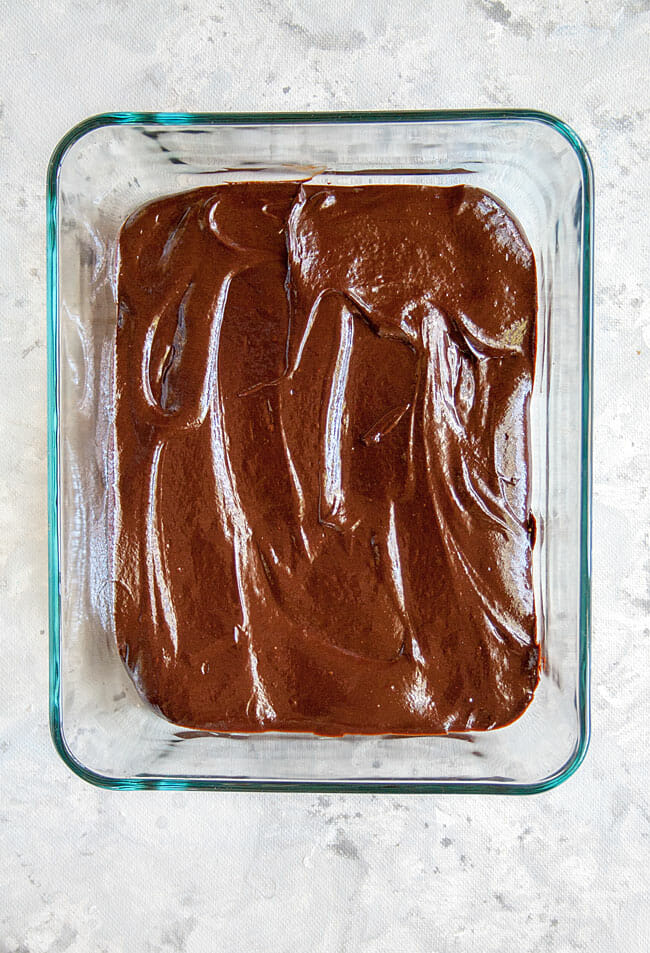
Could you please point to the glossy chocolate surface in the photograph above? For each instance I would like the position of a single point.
(323, 492)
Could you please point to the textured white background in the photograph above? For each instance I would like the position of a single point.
(88, 871)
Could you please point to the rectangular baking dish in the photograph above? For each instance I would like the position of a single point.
(102, 171)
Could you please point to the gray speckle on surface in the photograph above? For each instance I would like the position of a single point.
(497, 11)
(344, 42)
(344, 847)
(176, 937)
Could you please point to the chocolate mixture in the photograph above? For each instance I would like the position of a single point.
(322, 486)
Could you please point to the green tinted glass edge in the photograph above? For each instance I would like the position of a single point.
(380, 786)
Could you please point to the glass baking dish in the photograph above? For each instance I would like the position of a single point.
(103, 170)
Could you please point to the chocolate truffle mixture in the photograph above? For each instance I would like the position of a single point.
(322, 459)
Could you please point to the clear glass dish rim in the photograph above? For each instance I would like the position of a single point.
(403, 786)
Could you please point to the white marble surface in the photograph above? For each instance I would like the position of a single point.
(84, 870)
